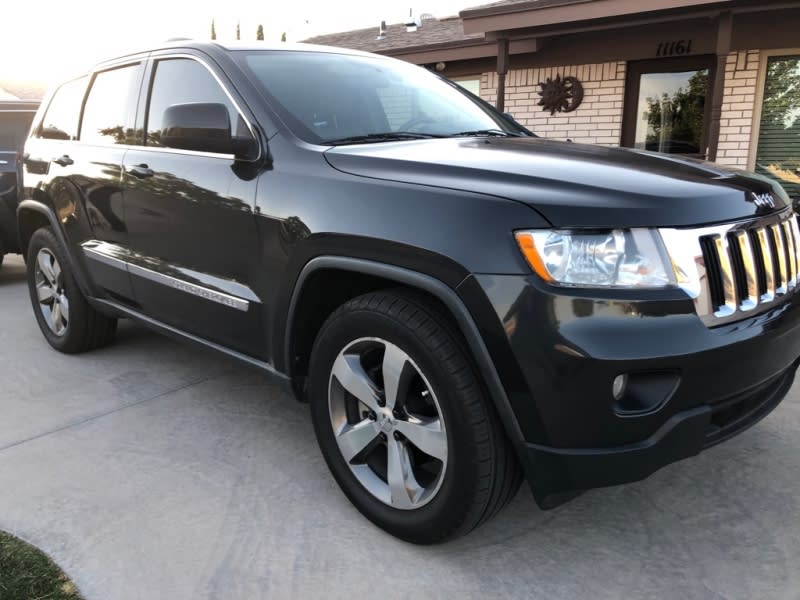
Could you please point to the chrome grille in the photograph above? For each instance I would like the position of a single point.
(732, 270)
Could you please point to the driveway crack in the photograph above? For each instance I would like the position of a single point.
(100, 415)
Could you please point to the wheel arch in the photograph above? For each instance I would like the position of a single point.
(371, 275)
(33, 215)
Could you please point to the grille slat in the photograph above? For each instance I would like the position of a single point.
(765, 249)
(749, 266)
(714, 278)
(728, 307)
(796, 235)
(791, 254)
(779, 249)
(746, 272)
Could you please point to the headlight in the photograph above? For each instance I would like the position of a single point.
(633, 258)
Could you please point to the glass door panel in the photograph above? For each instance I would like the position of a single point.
(671, 111)
(667, 105)
(778, 154)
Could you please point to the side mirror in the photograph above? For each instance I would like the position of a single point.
(204, 127)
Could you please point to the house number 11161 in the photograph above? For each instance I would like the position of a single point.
(678, 48)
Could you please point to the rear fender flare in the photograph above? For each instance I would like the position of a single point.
(77, 269)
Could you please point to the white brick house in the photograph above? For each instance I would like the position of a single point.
(598, 120)
(713, 79)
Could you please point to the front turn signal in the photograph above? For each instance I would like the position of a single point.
(527, 245)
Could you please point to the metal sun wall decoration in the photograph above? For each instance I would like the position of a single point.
(561, 95)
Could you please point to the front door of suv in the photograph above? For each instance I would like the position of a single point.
(189, 214)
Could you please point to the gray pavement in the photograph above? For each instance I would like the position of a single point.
(156, 470)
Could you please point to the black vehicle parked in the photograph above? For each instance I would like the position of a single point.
(16, 117)
(461, 303)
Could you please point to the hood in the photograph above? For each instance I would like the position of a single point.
(571, 185)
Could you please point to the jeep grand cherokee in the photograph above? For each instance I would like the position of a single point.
(461, 303)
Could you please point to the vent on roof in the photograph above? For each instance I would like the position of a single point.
(413, 23)
(381, 31)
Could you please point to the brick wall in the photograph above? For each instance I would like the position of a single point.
(736, 126)
(598, 120)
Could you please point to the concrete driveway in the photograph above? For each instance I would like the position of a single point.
(155, 470)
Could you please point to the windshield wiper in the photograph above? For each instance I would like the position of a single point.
(388, 136)
(479, 132)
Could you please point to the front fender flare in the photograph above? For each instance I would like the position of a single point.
(451, 301)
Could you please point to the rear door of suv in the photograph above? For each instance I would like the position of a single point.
(192, 232)
(75, 156)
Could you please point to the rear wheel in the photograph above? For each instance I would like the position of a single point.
(403, 422)
(64, 316)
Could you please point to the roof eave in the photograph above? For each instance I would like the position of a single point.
(475, 42)
(524, 15)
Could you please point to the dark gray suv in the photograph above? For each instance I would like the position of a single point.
(15, 124)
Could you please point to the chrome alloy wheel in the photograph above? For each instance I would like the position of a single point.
(50, 292)
(387, 423)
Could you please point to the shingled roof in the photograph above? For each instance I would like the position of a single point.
(432, 32)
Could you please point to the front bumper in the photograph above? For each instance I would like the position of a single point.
(700, 385)
(683, 435)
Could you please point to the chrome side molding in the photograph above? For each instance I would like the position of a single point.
(120, 258)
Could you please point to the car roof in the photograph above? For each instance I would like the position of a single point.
(214, 47)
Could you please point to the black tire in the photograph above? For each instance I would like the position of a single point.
(482, 473)
(86, 328)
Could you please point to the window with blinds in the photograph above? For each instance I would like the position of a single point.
(778, 154)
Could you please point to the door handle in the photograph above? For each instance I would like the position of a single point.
(140, 171)
(64, 161)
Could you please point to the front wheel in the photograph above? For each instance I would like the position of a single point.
(66, 319)
(402, 421)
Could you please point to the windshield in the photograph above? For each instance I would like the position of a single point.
(325, 98)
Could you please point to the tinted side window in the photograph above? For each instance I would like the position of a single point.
(108, 114)
(61, 119)
(183, 81)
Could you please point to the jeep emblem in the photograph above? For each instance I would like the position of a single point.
(762, 200)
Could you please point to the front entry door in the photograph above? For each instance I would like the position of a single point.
(192, 232)
(666, 107)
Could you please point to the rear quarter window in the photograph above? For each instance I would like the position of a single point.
(60, 121)
(109, 112)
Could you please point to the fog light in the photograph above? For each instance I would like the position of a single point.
(619, 386)
(643, 392)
